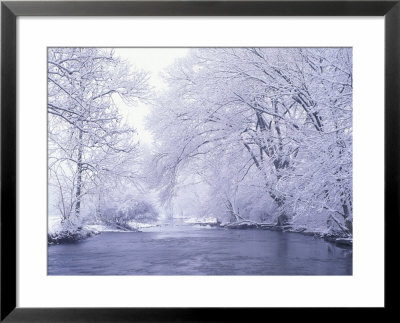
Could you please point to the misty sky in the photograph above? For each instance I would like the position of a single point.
(154, 61)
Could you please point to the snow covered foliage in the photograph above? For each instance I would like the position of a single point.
(121, 214)
(268, 129)
(90, 150)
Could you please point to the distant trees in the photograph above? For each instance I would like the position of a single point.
(89, 147)
(121, 215)
(262, 123)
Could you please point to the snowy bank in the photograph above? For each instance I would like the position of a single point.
(335, 237)
(69, 236)
(131, 226)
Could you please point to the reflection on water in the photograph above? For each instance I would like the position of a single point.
(195, 250)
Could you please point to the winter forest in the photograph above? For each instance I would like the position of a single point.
(223, 143)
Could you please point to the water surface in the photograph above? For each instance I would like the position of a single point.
(196, 250)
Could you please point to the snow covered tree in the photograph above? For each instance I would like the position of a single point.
(89, 146)
(280, 118)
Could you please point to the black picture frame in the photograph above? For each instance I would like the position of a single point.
(10, 10)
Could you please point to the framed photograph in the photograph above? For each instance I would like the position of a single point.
(197, 160)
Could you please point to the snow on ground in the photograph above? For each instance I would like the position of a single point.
(200, 220)
(138, 225)
(132, 224)
(102, 228)
(54, 226)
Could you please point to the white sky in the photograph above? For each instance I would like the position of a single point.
(154, 61)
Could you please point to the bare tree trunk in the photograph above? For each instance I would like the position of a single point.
(79, 178)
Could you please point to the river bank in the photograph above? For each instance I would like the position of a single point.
(338, 239)
(82, 233)
(59, 234)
